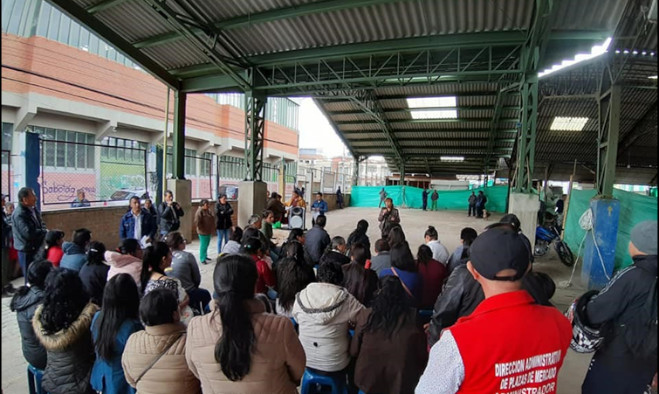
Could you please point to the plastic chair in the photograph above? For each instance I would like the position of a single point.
(295, 325)
(312, 383)
(34, 376)
(427, 313)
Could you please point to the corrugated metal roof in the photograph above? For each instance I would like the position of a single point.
(134, 21)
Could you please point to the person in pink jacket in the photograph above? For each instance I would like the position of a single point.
(126, 260)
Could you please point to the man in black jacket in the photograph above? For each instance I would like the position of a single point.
(462, 294)
(28, 228)
(626, 315)
(169, 212)
(317, 239)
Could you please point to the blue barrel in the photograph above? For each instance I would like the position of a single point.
(598, 266)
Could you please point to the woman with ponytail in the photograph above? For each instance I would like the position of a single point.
(127, 259)
(53, 247)
(257, 352)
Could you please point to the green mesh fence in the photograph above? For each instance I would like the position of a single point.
(634, 208)
(369, 196)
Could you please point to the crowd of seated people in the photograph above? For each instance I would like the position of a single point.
(124, 322)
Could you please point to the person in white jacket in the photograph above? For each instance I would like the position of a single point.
(323, 311)
(126, 260)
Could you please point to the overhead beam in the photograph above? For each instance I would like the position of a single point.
(408, 110)
(79, 14)
(447, 41)
(171, 16)
(270, 16)
(212, 83)
(104, 5)
(408, 121)
(435, 133)
(645, 125)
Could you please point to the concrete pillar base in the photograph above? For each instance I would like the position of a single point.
(526, 207)
(595, 270)
(251, 200)
(182, 189)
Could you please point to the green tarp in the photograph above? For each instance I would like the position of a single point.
(369, 196)
(634, 208)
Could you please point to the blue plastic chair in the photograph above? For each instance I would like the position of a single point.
(34, 376)
(425, 313)
(313, 383)
(295, 325)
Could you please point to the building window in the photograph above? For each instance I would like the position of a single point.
(122, 150)
(66, 148)
(206, 165)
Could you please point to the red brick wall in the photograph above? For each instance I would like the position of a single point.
(54, 69)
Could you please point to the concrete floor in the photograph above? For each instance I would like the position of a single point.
(343, 222)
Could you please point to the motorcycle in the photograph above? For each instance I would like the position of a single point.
(548, 234)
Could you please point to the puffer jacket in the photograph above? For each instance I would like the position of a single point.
(462, 294)
(322, 311)
(124, 264)
(74, 256)
(25, 305)
(70, 354)
(277, 362)
(170, 374)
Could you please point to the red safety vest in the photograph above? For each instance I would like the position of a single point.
(510, 345)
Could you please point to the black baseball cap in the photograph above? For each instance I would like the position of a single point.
(500, 248)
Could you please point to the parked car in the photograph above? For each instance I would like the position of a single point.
(126, 194)
(230, 190)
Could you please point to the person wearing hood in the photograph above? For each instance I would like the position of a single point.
(25, 303)
(62, 325)
(625, 310)
(127, 259)
(323, 311)
(75, 253)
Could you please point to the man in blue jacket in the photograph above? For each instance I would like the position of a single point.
(137, 222)
(319, 207)
(28, 228)
(75, 253)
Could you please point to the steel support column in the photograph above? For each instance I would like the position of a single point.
(254, 134)
(526, 137)
(355, 171)
(607, 140)
(178, 172)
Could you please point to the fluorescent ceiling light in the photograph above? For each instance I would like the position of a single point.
(595, 51)
(568, 123)
(434, 114)
(652, 77)
(432, 102)
(452, 158)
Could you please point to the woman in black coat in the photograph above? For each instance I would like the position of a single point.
(25, 303)
(62, 325)
(94, 274)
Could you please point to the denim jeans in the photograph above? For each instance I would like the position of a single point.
(24, 259)
(222, 236)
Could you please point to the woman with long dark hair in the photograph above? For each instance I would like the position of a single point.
(294, 276)
(359, 236)
(25, 302)
(433, 274)
(396, 236)
(404, 267)
(52, 250)
(111, 328)
(94, 274)
(157, 258)
(154, 358)
(389, 328)
(388, 217)
(257, 352)
(359, 281)
(62, 326)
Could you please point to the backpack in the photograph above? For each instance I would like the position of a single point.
(641, 335)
